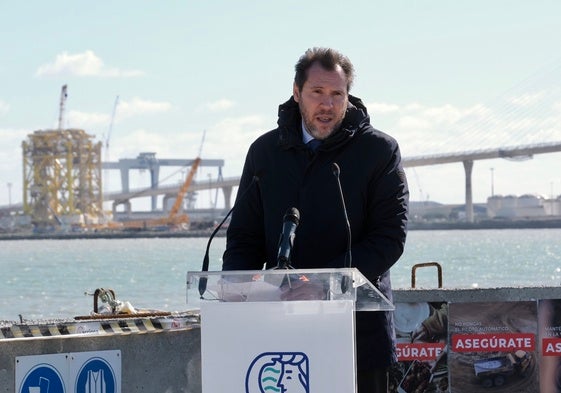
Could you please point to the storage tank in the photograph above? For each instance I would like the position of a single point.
(494, 205)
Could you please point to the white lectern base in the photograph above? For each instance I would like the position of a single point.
(254, 342)
(299, 346)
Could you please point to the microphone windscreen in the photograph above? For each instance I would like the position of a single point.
(292, 215)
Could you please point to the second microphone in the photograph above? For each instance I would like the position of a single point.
(286, 241)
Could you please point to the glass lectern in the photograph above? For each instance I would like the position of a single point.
(286, 330)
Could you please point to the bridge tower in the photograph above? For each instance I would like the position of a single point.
(61, 176)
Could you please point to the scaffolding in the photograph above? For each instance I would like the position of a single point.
(62, 177)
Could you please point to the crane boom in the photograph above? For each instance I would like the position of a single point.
(183, 190)
(63, 95)
(112, 120)
(173, 218)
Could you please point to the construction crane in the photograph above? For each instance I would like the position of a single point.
(183, 190)
(107, 157)
(63, 95)
(173, 219)
(107, 139)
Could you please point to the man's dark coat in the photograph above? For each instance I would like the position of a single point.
(281, 173)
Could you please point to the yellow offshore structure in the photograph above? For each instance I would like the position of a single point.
(62, 178)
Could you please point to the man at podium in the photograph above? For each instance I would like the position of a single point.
(344, 180)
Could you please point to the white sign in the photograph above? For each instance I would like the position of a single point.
(298, 346)
(77, 372)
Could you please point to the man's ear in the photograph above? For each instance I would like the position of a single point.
(295, 92)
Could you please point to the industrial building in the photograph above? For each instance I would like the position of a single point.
(62, 178)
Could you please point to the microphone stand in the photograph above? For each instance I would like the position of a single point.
(292, 218)
(345, 282)
(203, 280)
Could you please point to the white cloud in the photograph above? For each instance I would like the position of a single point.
(446, 114)
(219, 105)
(415, 117)
(137, 106)
(11, 163)
(4, 108)
(230, 138)
(140, 140)
(447, 128)
(11, 137)
(236, 125)
(77, 119)
(414, 107)
(381, 107)
(414, 122)
(527, 99)
(125, 110)
(82, 64)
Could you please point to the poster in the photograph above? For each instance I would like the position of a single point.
(492, 347)
(421, 348)
(549, 319)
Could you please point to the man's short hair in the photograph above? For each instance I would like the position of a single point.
(328, 58)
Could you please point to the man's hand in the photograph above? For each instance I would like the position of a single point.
(299, 287)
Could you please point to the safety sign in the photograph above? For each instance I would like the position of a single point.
(95, 373)
(76, 372)
(41, 373)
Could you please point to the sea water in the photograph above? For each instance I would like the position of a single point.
(55, 279)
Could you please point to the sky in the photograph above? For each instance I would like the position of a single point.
(440, 76)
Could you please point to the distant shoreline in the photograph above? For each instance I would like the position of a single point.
(487, 224)
(109, 235)
(205, 233)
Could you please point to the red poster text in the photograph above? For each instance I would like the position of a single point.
(418, 351)
(499, 342)
(551, 346)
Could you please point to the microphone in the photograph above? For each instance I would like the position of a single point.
(348, 256)
(286, 241)
(203, 280)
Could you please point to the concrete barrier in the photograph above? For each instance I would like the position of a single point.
(167, 358)
(161, 360)
(504, 294)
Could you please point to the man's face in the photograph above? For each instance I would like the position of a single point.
(323, 100)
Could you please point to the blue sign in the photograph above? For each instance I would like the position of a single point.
(95, 376)
(43, 378)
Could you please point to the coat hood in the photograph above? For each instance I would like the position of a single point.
(290, 121)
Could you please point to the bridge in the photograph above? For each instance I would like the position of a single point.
(148, 161)
(468, 158)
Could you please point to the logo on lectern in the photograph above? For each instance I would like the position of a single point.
(279, 372)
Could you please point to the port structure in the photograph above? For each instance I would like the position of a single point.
(149, 161)
(62, 177)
